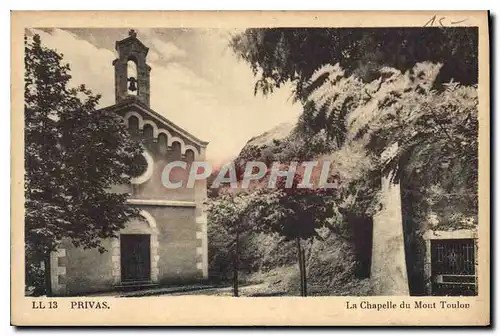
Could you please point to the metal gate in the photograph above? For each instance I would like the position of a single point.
(453, 267)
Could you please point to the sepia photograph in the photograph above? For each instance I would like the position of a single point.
(251, 162)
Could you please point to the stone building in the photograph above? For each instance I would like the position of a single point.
(169, 243)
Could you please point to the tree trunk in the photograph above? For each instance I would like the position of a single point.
(304, 276)
(307, 261)
(302, 271)
(388, 268)
(236, 263)
(47, 275)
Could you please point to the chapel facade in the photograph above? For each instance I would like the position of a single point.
(168, 244)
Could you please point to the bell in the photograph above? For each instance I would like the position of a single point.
(132, 86)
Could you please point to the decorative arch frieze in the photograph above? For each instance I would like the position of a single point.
(179, 140)
(157, 131)
(137, 115)
(190, 147)
(152, 124)
(165, 132)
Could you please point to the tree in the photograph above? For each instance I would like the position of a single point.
(299, 214)
(229, 211)
(73, 156)
(436, 137)
(368, 89)
(327, 66)
(279, 55)
(295, 214)
(436, 131)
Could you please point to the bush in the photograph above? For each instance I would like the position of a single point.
(269, 259)
(258, 252)
(331, 263)
(34, 276)
(219, 253)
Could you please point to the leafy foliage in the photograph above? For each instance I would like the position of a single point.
(292, 212)
(279, 55)
(377, 101)
(435, 131)
(364, 90)
(73, 156)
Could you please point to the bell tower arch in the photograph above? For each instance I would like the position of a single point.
(131, 69)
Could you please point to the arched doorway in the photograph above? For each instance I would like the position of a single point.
(135, 252)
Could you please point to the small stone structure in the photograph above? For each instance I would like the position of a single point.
(458, 250)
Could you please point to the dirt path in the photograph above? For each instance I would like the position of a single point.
(248, 290)
(261, 289)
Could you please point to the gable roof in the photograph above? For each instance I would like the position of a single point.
(132, 102)
(129, 40)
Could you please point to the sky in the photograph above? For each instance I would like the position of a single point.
(197, 82)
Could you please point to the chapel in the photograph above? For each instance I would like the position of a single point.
(168, 244)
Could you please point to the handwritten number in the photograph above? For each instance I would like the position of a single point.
(441, 22)
(457, 22)
(430, 22)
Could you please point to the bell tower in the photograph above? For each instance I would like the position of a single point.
(131, 70)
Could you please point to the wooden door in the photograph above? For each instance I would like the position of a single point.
(135, 253)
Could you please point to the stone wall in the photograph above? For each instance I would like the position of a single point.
(177, 254)
(78, 271)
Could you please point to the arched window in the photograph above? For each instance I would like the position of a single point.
(176, 151)
(133, 125)
(132, 85)
(148, 132)
(162, 143)
(189, 156)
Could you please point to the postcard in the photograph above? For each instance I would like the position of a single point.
(250, 168)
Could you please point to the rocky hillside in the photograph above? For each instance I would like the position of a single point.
(277, 133)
